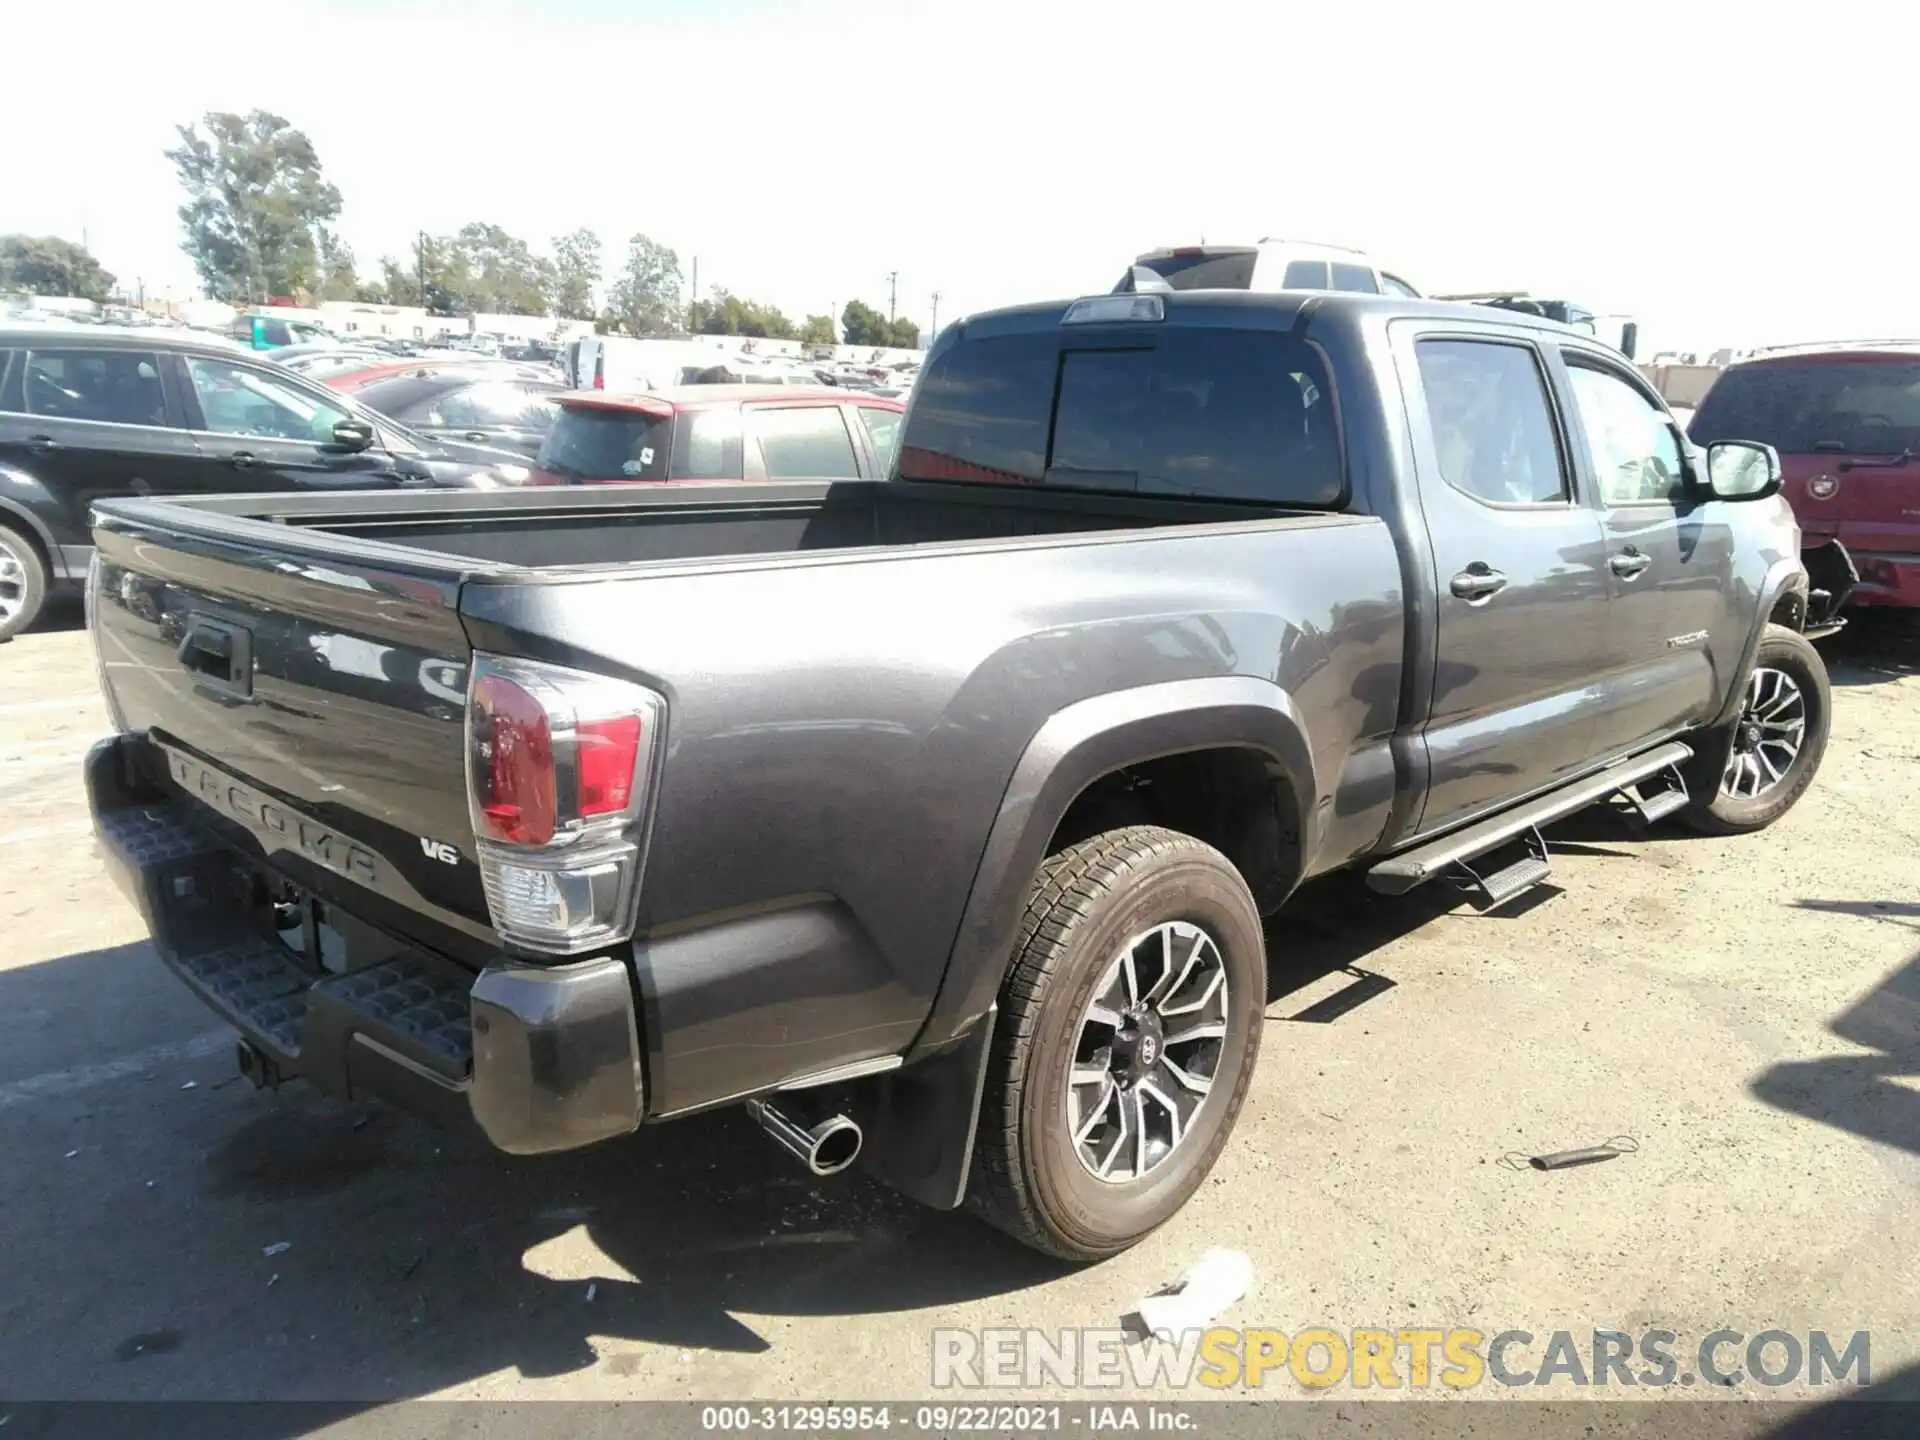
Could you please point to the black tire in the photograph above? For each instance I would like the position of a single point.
(23, 583)
(1086, 903)
(1712, 809)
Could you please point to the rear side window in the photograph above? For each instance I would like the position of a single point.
(115, 386)
(709, 440)
(809, 443)
(1305, 275)
(1214, 414)
(1492, 422)
(589, 443)
(883, 429)
(1867, 407)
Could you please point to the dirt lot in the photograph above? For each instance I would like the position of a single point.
(1748, 1010)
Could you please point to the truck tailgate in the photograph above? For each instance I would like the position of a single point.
(309, 696)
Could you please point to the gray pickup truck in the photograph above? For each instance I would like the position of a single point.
(935, 819)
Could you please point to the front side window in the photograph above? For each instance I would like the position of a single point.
(807, 443)
(105, 385)
(1492, 422)
(1394, 285)
(1633, 449)
(237, 400)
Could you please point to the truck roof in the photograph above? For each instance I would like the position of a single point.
(1274, 309)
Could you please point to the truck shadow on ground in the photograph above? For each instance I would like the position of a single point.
(417, 1260)
(1864, 1094)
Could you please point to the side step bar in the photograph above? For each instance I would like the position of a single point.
(1415, 867)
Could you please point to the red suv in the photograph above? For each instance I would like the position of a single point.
(719, 432)
(1846, 421)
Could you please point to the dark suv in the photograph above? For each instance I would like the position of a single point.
(89, 412)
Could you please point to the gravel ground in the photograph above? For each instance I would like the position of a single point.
(1747, 1009)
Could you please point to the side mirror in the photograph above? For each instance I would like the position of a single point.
(1629, 339)
(1742, 470)
(352, 436)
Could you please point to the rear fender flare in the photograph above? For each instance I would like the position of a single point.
(1076, 747)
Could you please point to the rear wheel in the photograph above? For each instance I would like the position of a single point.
(23, 583)
(1751, 773)
(1128, 1029)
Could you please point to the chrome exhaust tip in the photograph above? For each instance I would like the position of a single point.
(825, 1148)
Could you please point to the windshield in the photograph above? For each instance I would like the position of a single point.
(1801, 407)
(590, 443)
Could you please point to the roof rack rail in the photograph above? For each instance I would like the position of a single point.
(1316, 244)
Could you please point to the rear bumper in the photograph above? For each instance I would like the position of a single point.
(1887, 579)
(540, 1058)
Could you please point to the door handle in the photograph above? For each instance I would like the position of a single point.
(243, 459)
(477, 436)
(1629, 563)
(41, 444)
(219, 653)
(1478, 582)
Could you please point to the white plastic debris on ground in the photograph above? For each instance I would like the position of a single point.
(1218, 1279)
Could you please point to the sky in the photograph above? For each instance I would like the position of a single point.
(1728, 174)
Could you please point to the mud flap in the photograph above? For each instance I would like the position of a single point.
(921, 1125)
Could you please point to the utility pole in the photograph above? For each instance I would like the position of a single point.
(693, 304)
(934, 328)
(893, 289)
(420, 264)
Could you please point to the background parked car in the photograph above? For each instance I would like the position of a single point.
(719, 432)
(1268, 265)
(452, 404)
(88, 412)
(384, 368)
(272, 332)
(1846, 421)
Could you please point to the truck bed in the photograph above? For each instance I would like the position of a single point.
(620, 525)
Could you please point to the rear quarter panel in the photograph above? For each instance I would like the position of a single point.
(841, 733)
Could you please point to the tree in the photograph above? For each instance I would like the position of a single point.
(493, 271)
(818, 330)
(48, 265)
(576, 270)
(645, 299)
(726, 314)
(256, 204)
(399, 282)
(337, 279)
(861, 324)
(904, 334)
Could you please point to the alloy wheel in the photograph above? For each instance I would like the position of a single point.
(1768, 736)
(1147, 1051)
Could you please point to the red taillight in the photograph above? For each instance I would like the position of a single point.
(514, 770)
(600, 372)
(604, 763)
(558, 763)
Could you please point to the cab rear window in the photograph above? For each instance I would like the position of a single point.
(591, 443)
(1201, 413)
(1803, 407)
